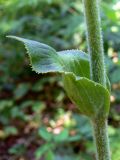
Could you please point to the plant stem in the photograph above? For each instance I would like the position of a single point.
(95, 42)
(101, 139)
(97, 72)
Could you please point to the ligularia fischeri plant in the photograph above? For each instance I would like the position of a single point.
(84, 77)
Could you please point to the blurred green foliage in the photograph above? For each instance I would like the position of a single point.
(36, 118)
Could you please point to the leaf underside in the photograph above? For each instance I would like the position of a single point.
(88, 95)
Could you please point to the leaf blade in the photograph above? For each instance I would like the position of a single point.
(43, 58)
(90, 97)
(74, 65)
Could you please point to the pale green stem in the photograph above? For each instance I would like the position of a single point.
(97, 72)
(101, 139)
(95, 42)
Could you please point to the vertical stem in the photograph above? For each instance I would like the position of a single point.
(97, 72)
(95, 42)
(101, 139)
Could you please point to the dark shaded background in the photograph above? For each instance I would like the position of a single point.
(37, 120)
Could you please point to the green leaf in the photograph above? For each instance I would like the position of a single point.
(21, 90)
(91, 98)
(17, 149)
(49, 155)
(10, 130)
(45, 134)
(45, 59)
(42, 150)
(62, 136)
(75, 61)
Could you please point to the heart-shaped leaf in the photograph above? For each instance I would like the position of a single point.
(91, 98)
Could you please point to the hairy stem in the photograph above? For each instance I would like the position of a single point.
(97, 72)
(95, 42)
(101, 139)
